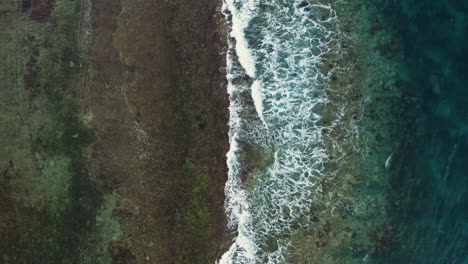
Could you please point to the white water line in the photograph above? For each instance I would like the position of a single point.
(288, 118)
(236, 204)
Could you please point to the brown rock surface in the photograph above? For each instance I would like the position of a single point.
(159, 106)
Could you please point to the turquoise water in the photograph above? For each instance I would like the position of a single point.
(278, 152)
(432, 182)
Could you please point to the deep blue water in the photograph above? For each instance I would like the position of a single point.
(431, 186)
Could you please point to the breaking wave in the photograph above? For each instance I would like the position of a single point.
(276, 90)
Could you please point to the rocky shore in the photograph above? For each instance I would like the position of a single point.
(159, 104)
(114, 132)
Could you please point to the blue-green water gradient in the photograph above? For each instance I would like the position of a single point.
(430, 188)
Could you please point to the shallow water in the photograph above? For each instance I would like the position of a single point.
(432, 183)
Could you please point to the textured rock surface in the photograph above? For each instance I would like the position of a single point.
(114, 132)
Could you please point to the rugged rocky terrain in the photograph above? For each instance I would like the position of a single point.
(114, 131)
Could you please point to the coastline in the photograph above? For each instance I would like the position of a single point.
(347, 218)
(116, 123)
(381, 180)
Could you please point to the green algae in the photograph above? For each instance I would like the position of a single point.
(51, 199)
(109, 231)
(193, 223)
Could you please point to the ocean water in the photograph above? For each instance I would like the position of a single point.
(431, 179)
(276, 90)
(278, 154)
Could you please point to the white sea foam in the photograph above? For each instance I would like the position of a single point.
(388, 162)
(243, 249)
(237, 209)
(258, 101)
(240, 21)
(280, 45)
